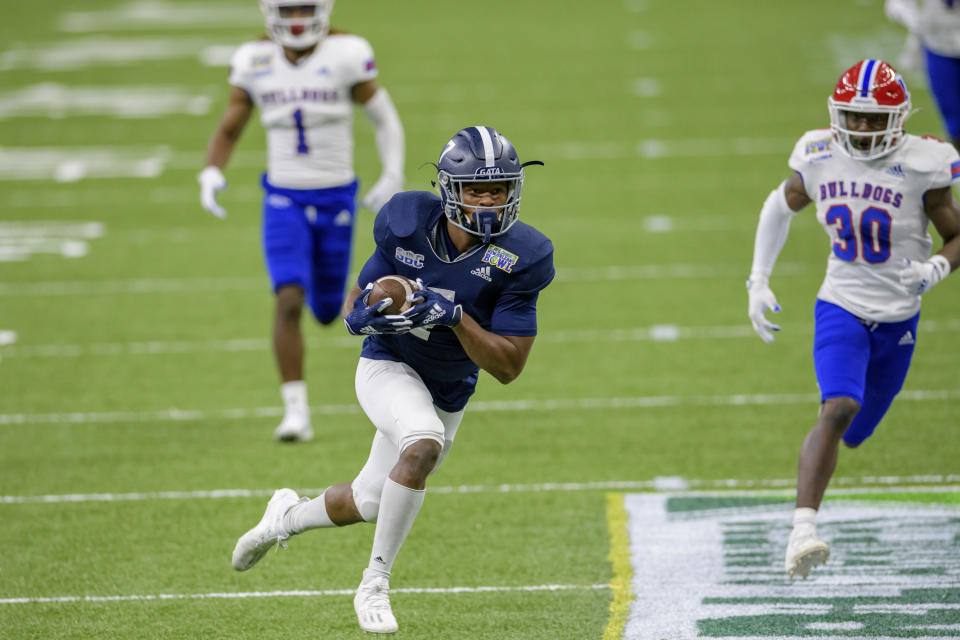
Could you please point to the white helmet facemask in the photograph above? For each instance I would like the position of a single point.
(867, 145)
(297, 32)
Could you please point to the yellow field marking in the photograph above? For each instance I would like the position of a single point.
(622, 569)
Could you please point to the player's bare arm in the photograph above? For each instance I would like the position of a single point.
(795, 194)
(234, 121)
(363, 91)
(349, 301)
(944, 213)
(503, 357)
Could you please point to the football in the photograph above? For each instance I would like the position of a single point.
(394, 287)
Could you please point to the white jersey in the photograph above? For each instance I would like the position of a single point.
(306, 108)
(935, 22)
(873, 214)
(938, 26)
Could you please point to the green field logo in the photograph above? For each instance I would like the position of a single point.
(712, 567)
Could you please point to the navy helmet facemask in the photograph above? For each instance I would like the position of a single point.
(480, 154)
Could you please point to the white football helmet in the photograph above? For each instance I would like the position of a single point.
(300, 32)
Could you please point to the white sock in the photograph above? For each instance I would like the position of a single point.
(295, 398)
(805, 520)
(306, 515)
(399, 506)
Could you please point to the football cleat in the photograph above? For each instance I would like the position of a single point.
(293, 428)
(372, 604)
(255, 543)
(804, 552)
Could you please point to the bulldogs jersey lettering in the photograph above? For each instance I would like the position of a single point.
(306, 108)
(872, 211)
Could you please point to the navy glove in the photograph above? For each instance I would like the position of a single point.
(433, 309)
(366, 320)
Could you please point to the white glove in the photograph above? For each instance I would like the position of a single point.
(761, 299)
(211, 180)
(382, 191)
(919, 277)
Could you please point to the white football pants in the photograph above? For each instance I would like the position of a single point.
(398, 403)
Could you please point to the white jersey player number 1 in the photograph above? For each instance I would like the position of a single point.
(302, 147)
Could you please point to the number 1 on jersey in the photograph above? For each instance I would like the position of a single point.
(302, 147)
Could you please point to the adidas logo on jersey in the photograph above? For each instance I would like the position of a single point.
(906, 339)
(343, 218)
(483, 272)
(896, 171)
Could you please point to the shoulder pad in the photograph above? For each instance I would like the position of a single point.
(406, 211)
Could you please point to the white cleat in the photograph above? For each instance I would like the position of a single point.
(269, 532)
(372, 604)
(804, 552)
(294, 429)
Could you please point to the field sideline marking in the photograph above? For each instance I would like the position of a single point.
(619, 558)
(731, 487)
(300, 593)
(480, 406)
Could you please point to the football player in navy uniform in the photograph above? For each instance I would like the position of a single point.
(305, 80)
(480, 272)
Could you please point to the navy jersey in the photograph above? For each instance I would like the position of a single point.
(497, 284)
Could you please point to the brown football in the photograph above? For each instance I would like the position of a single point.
(394, 287)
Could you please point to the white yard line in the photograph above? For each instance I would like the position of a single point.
(480, 406)
(58, 101)
(690, 486)
(302, 593)
(202, 284)
(70, 164)
(154, 15)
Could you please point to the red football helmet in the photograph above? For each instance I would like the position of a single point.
(872, 88)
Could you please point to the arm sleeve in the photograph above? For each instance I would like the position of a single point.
(948, 173)
(376, 266)
(240, 75)
(538, 275)
(360, 63)
(388, 132)
(772, 230)
(515, 315)
(379, 264)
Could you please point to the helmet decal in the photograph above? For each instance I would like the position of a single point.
(868, 73)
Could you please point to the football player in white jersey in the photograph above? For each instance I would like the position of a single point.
(935, 25)
(305, 80)
(876, 190)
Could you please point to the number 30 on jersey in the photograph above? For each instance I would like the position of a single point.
(870, 238)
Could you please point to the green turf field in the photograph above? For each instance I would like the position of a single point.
(138, 392)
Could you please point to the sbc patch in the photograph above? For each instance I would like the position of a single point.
(499, 258)
(409, 258)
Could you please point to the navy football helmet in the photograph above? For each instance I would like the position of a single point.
(480, 154)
